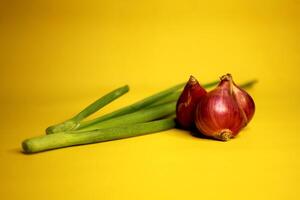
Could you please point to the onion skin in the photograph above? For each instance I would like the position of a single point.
(220, 113)
(245, 101)
(187, 102)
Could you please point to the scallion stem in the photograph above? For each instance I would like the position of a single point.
(54, 141)
(133, 107)
(98, 104)
(248, 84)
(140, 116)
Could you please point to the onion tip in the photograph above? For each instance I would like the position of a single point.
(193, 80)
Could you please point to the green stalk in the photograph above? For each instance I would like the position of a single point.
(211, 84)
(95, 106)
(168, 99)
(140, 116)
(248, 84)
(133, 107)
(54, 141)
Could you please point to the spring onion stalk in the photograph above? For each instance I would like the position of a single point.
(168, 99)
(133, 107)
(248, 84)
(54, 141)
(140, 116)
(95, 106)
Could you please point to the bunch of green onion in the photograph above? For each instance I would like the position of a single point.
(152, 114)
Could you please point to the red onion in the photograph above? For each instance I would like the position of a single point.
(187, 102)
(224, 111)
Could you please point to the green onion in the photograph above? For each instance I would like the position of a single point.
(248, 84)
(98, 104)
(140, 116)
(170, 98)
(54, 141)
(133, 107)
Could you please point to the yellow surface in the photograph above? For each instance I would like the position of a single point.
(58, 56)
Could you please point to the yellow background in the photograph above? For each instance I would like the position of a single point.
(58, 56)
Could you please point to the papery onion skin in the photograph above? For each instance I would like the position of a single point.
(218, 114)
(187, 102)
